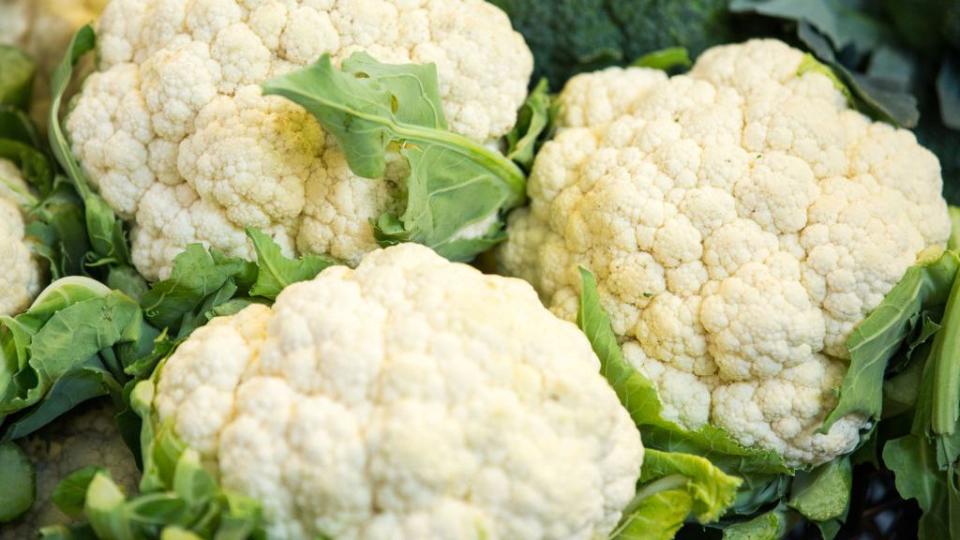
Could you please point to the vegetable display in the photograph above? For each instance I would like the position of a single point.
(479, 269)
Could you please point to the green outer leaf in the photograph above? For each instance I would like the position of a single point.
(768, 526)
(954, 242)
(534, 122)
(276, 272)
(639, 396)
(824, 493)
(656, 517)
(105, 230)
(711, 490)
(874, 342)
(70, 495)
(104, 508)
(374, 109)
(34, 166)
(16, 76)
(17, 488)
(665, 59)
(913, 459)
(945, 355)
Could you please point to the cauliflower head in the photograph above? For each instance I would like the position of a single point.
(741, 221)
(409, 398)
(85, 438)
(22, 277)
(174, 130)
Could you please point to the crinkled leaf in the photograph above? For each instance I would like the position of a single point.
(17, 486)
(534, 124)
(768, 526)
(823, 494)
(57, 233)
(655, 516)
(913, 459)
(875, 340)
(665, 59)
(17, 71)
(34, 166)
(453, 185)
(711, 490)
(276, 272)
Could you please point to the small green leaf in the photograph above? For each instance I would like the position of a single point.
(276, 272)
(16, 76)
(768, 526)
(534, 123)
(654, 516)
(824, 493)
(70, 495)
(454, 184)
(665, 59)
(17, 488)
(104, 507)
(711, 490)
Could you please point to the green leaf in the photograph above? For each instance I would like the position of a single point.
(376, 109)
(197, 273)
(17, 488)
(954, 242)
(104, 507)
(35, 168)
(639, 396)
(711, 490)
(276, 272)
(874, 342)
(768, 526)
(105, 230)
(16, 76)
(655, 516)
(823, 494)
(70, 495)
(945, 361)
(665, 59)
(534, 124)
(913, 460)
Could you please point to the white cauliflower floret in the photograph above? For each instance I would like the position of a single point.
(176, 113)
(22, 277)
(80, 439)
(409, 398)
(741, 221)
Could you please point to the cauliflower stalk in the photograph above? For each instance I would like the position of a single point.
(177, 136)
(742, 220)
(421, 407)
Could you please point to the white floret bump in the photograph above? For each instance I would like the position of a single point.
(409, 398)
(741, 220)
(22, 276)
(177, 137)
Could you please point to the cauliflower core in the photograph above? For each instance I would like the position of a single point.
(81, 439)
(21, 278)
(176, 135)
(741, 221)
(409, 398)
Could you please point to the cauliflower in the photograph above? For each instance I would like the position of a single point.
(741, 221)
(177, 136)
(43, 29)
(409, 398)
(86, 438)
(22, 278)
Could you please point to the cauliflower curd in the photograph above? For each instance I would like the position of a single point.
(21, 278)
(741, 220)
(175, 133)
(406, 399)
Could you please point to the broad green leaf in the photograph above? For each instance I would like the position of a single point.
(17, 486)
(655, 516)
(197, 273)
(913, 459)
(454, 185)
(665, 59)
(105, 230)
(57, 231)
(824, 493)
(16, 76)
(639, 396)
(70, 495)
(874, 342)
(276, 272)
(768, 526)
(711, 490)
(534, 122)
(104, 507)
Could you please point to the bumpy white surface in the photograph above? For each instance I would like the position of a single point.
(409, 398)
(175, 133)
(21, 278)
(87, 438)
(741, 221)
